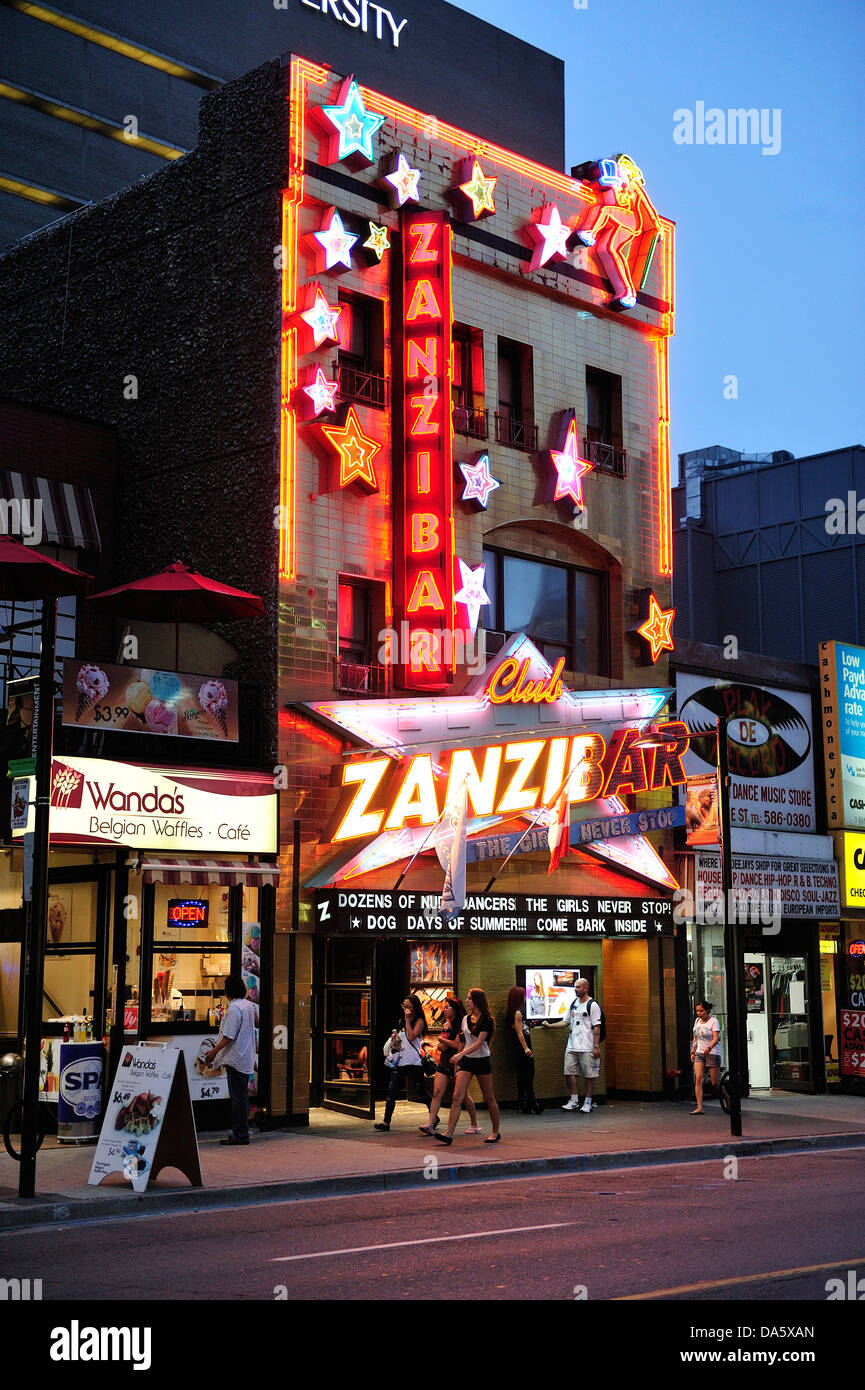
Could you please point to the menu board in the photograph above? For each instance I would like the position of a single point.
(141, 700)
(148, 1122)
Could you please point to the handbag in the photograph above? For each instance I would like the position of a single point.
(427, 1063)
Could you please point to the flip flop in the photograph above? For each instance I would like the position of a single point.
(698, 1112)
(493, 1139)
(443, 1138)
(425, 1129)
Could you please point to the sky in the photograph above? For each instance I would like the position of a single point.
(769, 246)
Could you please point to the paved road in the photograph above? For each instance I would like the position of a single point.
(779, 1230)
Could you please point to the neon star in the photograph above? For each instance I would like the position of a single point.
(657, 628)
(352, 124)
(378, 240)
(404, 181)
(472, 593)
(479, 190)
(356, 452)
(321, 392)
(335, 241)
(570, 469)
(549, 237)
(322, 319)
(479, 480)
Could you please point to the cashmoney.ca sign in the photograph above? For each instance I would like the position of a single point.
(376, 20)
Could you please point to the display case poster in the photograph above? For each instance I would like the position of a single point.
(141, 700)
(432, 962)
(755, 994)
(205, 1083)
(148, 1108)
(250, 964)
(701, 810)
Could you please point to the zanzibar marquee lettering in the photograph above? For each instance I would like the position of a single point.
(507, 779)
(358, 14)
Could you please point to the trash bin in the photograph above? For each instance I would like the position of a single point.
(11, 1082)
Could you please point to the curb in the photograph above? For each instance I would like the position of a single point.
(307, 1189)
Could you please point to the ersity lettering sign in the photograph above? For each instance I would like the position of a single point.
(98, 802)
(495, 914)
(371, 19)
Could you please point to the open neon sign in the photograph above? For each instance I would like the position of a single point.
(423, 490)
(188, 912)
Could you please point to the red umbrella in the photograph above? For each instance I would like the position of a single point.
(178, 594)
(26, 574)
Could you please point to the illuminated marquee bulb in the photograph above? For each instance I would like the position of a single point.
(570, 469)
(403, 182)
(349, 128)
(475, 190)
(548, 236)
(472, 593)
(479, 481)
(332, 242)
(656, 630)
(355, 451)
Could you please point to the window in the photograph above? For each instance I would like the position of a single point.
(360, 615)
(563, 609)
(360, 360)
(469, 416)
(515, 416)
(604, 443)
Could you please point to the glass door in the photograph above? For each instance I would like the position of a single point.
(348, 1028)
(791, 1052)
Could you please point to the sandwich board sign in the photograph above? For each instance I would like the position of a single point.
(148, 1122)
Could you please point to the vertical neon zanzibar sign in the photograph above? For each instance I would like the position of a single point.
(423, 488)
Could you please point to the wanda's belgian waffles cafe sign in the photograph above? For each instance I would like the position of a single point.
(515, 740)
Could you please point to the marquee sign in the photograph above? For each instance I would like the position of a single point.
(357, 913)
(514, 759)
(423, 488)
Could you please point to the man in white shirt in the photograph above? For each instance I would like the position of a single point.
(237, 1046)
(583, 1048)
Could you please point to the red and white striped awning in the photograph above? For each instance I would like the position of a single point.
(68, 515)
(225, 871)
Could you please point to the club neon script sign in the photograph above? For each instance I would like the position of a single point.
(508, 779)
(357, 14)
(423, 488)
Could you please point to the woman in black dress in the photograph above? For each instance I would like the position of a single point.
(521, 1048)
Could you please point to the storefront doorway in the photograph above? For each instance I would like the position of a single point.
(757, 1022)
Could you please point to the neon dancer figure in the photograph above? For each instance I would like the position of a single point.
(623, 227)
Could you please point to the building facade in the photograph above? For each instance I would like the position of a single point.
(410, 387)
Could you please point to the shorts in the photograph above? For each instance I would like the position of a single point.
(447, 1071)
(582, 1064)
(711, 1059)
(478, 1066)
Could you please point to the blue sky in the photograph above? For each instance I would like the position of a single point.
(769, 247)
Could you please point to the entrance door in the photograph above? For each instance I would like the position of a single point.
(791, 1053)
(757, 1023)
(348, 1027)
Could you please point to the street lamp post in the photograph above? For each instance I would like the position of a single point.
(732, 939)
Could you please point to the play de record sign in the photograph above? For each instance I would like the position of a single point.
(100, 802)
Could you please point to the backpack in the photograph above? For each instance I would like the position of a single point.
(603, 1033)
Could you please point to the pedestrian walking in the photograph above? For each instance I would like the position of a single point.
(473, 1059)
(583, 1048)
(403, 1054)
(521, 1047)
(236, 1051)
(705, 1051)
(448, 1045)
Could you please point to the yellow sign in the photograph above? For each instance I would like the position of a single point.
(850, 852)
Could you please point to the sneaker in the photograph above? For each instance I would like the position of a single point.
(233, 1139)
(382, 1128)
(586, 1107)
(573, 1104)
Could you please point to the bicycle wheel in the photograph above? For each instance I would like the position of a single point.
(12, 1125)
(724, 1092)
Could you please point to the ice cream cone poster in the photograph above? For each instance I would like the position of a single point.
(141, 700)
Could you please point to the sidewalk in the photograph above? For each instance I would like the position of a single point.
(340, 1155)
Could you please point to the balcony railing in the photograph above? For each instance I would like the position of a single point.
(354, 678)
(519, 434)
(606, 457)
(359, 383)
(473, 423)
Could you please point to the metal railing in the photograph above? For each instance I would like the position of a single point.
(606, 457)
(473, 423)
(361, 384)
(519, 434)
(351, 677)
